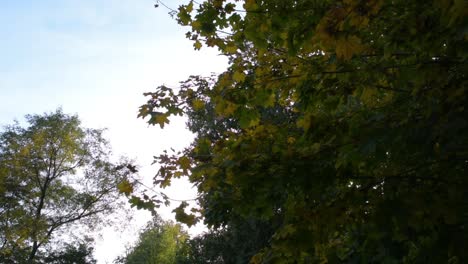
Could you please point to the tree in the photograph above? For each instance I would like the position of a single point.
(161, 242)
(54, 175)
(72, 254)
(345, 120)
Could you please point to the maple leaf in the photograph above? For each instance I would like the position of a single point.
(347, 47)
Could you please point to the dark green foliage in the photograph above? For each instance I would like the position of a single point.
(235, 243)
(343, 122)
(72, 254)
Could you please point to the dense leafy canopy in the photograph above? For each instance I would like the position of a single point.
(343, 121)
(54, 174)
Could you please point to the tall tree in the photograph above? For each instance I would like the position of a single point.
(53, 174)
(346, 120)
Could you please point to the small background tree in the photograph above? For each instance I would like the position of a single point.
(160, 242)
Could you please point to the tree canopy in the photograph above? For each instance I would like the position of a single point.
(54, 175)
(160, 242)
(344, 121)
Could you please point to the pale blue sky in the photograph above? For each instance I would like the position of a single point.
(95, 58)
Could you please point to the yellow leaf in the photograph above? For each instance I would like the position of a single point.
(219, 107)
(250, 5)
(238, 76)
(347, 47)
(125, 187)
(198, 104)
(196, 25)
(304, 122)
(254, 122)
(231, 49)
(197, 45)
(161, 120)
(368, 96)
(271, 100)
(264, 27)
(230, 109)
(315, 148)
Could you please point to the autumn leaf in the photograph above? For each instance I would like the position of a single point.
(196, 25)
(159, 118)
(125, 187)
(197, 45)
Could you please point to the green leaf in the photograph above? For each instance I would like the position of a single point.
(184, 163)
(249, 118)
(183, 217)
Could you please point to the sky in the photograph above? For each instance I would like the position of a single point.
(96, 58)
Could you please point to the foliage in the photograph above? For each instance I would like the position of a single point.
(161, 242)
(343, 120)
(235, 243)
(54, 175)
(72, 254)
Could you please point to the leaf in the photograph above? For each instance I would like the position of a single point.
(189, 7)
(238, 76)
(230, 109)
(197, 45)
(249, 118)
(265, 98)
(250, 5)
(231, 49)
(125, 187)
(198, 104)
(139, 203)
(159, 118)
(184, 15)
(347, 47)
(368, 96)
(315, 148)
(225, 108)
(184, 163)
(229, 8)
(183, 217)
(196, 25)
(304, 122)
